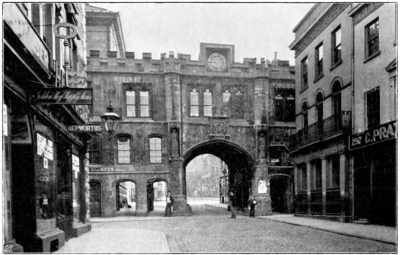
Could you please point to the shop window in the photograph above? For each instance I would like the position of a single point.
(317, 175)
(95, 151)
(336, 46)
(124, 150)
(319, 61)
(304, 73)
(155, 150)
(302, 177)
(226, 97)
(335, 171)
(194, 103)
(373, 108)
(130, 104)
(372, 38)
(284, 105)
(207, 103)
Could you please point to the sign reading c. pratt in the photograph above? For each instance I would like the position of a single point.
(381, 133)
(85, 128)
(70, 96)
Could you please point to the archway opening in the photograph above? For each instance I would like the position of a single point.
(240, 167)
(206, 177)
(125, 198)
(156, 196)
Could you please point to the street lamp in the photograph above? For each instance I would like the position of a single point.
(110, 120)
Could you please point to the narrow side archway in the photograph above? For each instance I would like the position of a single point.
(240, 162)
(126, 197)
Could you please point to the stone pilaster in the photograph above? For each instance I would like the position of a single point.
(309, 188)
(323, 172)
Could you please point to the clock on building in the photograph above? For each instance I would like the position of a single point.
(216, 62)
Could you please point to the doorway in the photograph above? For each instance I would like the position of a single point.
(95, 198)
(125, 198)
(281, 194)
(156, 196)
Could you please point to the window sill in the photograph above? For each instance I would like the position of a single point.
(334, 65)
(318, 77)
(372, 56)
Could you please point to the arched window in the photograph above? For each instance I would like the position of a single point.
(319, 108)
(304, 111)
(155, 150)
(124, 150)
(207, 103)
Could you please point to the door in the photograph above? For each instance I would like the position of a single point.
(95, 199)
(362, 192)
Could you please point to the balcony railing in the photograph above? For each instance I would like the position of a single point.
(336, 124)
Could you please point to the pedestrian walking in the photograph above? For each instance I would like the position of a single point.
(170, 202)
(252, 205)
(232, 202)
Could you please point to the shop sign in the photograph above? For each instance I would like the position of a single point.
(262, 186)
(85, 128)
(69, 96)
(44, 147)
(381, 133)
(44, 178)
(5, 120)
(23, 28)
(75, 165)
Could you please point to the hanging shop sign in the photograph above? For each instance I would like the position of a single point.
(72, 27)
(68, 96)
(26, 33)
(381, 133)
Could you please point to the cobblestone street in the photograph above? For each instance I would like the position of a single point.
(211, 230)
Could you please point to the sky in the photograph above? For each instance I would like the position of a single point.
(257, 30)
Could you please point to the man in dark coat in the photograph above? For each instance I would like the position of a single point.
(252, 205)
(170, 202)
(231, 203)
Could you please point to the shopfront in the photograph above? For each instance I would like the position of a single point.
(375, 175)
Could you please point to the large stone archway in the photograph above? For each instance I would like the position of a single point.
(240, 162)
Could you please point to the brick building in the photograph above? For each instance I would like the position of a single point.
(45, 174)
(335, 77)
(174, 109)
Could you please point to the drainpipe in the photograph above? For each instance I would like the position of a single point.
(352, 116)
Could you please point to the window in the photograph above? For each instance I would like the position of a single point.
(137, 102)
(302, 178)
(336, 46)
(372, 38)
(373, 108)
(319, 60)
(304, 110)
(284, 105)
(194, 103)
(238, 105)
(124, 150)
(155, 150)
(130, 104)
(304, 73)
(317, 175)
(226, 96)
(335, 171)
(275, 155)
(94, 150)
(144, 104)
(207, 103)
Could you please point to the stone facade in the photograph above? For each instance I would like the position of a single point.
(212, 105)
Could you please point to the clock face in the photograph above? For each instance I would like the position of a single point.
(216, 62)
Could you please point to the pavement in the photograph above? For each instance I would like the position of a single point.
(366, 231)
(150, 241)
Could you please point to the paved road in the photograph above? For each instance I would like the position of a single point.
(211, 230)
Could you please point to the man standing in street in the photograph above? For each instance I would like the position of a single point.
(231, 203)
(252, 205)
(170, 202)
